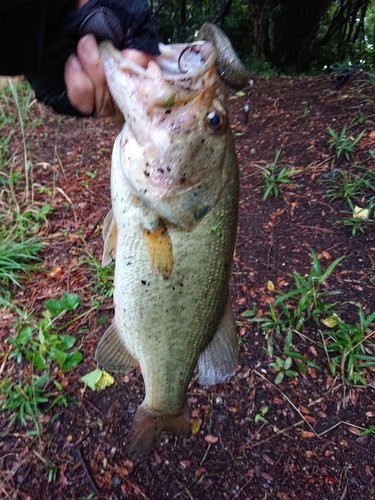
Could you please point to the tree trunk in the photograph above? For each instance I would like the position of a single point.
(296, 25)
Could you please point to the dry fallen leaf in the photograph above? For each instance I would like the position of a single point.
(307, 434)
(354, 430)
(55, 273)
(270, 286)
(360, 213)
(211, 439)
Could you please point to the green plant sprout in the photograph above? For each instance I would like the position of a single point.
(282, 369)
(349, 346)
(275, 176)
(41, 345)
(260, 416)
(342, 185)
(342, 143)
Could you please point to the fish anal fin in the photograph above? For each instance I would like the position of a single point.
(159, 249)
(218, 362)
(148, 427)
(109, 234)
(112, 354)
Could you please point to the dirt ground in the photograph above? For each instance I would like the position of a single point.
(309, 445)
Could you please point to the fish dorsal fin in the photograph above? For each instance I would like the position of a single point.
(218, 361)
(112, 354)
(159, 249)
(109, 234)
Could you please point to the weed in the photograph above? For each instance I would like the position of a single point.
(349, 348)
(356, 224)
(17, 255)
(369, 430)
(307, 297)
(301, 303)
(275, 176)
(103, 276)
(342, 143)
(260, 416)
(282, 369)
(342, 185)
(41, 345)
(290, 311)
(25, 398)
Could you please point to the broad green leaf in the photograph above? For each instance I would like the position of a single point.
(67, 341)
(98, 379)
(54, 307)
(37, 360)
(72, 359)
(279, 378)
(70, 301)
(60, 357)
(288, 363)
(25, 334)
(92, 378)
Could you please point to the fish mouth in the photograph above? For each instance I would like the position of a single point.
(176, 75)
(166, 145)
(182, 65)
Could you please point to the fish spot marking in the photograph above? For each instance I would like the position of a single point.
(159, 249)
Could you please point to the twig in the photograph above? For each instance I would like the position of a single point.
(289, 401)
(205, 455)
(189, 494)
(243, 487)
(281, 431)
(339, 423)
(90, 479)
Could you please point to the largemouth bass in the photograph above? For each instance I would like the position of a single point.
(172, 229)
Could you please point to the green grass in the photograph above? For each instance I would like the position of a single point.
(275, 175)
(342, 143)
(20, 216)
(349, 347)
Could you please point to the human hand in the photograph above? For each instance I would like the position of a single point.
(72, 78)
(85, 79)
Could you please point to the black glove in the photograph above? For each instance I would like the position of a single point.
(126, 23)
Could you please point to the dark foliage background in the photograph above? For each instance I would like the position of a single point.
(287, 36)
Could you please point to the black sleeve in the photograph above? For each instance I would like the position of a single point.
(26, 26)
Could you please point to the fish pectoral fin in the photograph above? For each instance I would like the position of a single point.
(218, 362)
(109, 234)
(159, 249)
(112, 354)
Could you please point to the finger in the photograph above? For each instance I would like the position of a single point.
(80, 87)
(89, 57)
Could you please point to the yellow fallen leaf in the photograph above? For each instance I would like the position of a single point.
(196, 425)
(360, 213)
(270, 286)
(331, 321)
(105, 381)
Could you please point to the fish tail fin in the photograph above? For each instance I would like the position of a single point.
(148, 427)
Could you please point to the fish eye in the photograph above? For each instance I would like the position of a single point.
(215, 120)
